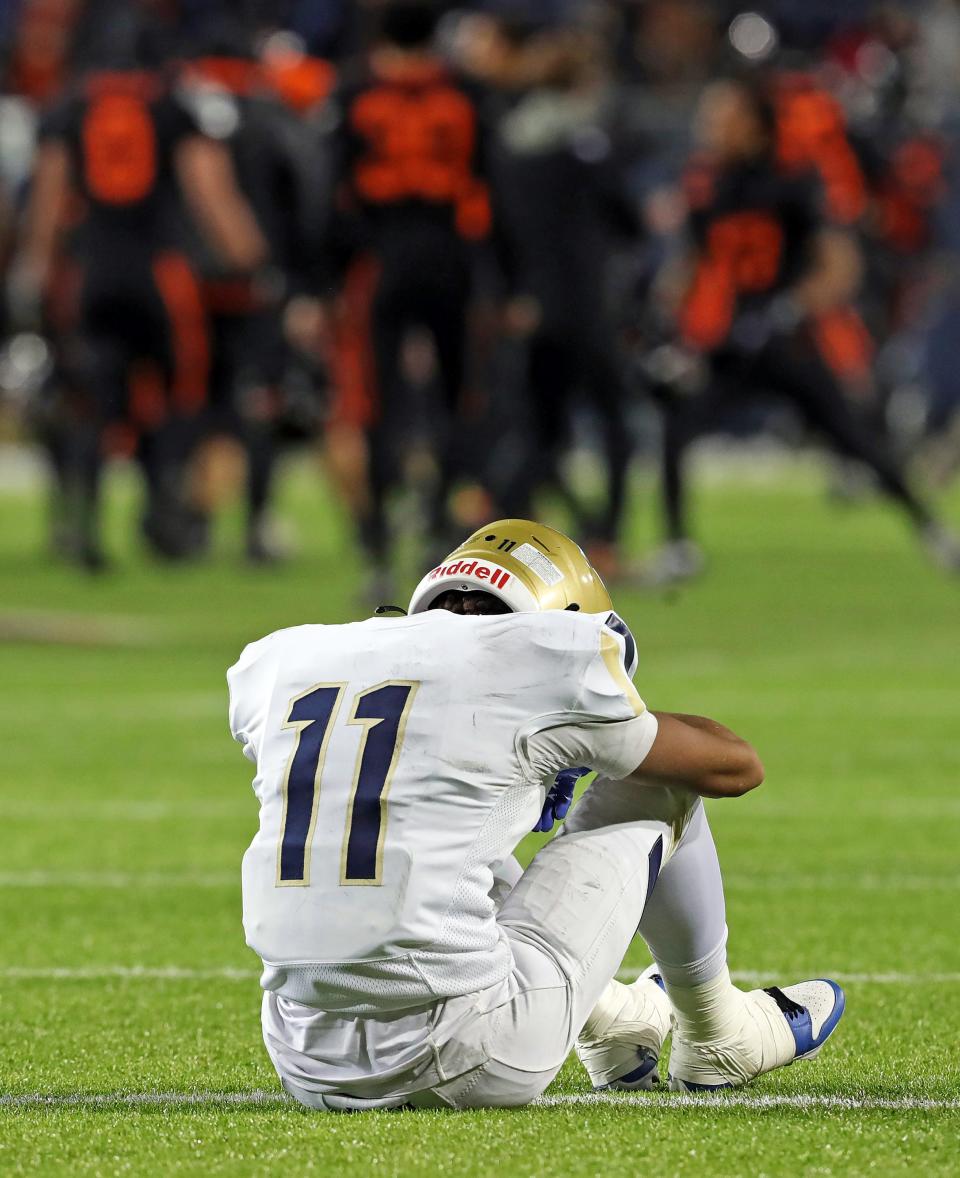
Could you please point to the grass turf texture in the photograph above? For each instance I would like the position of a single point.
(819, 633)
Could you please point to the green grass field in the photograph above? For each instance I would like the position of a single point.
(130, 1004)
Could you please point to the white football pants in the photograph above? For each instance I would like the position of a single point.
(569, 919)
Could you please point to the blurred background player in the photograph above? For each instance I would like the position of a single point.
(118, 158)
(589, 115)
(411, 203)
(560, 202)
(276, 164)
(763, 267)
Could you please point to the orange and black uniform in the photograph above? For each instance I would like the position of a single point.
(140, 307)
(276, 167)
(908, 184)
(142, 360)
(812, 133)
(411, 204)
(753, 228)
(560, 207)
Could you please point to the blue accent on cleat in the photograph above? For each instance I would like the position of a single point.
(689, 1086)
(648, 1064)
(801, 1024)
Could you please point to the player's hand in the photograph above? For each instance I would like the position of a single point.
(522, 315)
(307, 325)
(24, 297)
(559, 798)
(671, 371)
(753, 330)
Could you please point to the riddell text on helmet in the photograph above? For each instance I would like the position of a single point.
(498, 578)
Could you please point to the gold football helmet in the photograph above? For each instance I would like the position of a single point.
(527, 565)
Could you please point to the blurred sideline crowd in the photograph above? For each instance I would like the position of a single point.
(454, 245)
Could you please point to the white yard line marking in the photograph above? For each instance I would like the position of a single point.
(893, 809)
(240, 809)
(723, 1100)
(114, 1099)
(129, 811)
(151, 880)
(60, 628)
(867, 882)
(242, 806)
(891, 978)
(714, 1102)
(228, 973)
(138, 973)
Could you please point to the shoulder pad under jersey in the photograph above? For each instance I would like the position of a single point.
(615, 623)
(214, 109)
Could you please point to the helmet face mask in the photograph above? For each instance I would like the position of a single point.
(528, 566)
(476, 602)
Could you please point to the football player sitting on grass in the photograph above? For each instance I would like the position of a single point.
(407, 960)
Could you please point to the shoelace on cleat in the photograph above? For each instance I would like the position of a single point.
(789, 1008)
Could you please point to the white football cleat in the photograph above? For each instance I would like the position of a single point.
(626, 1053)
(779, 1027)
(942, 546)
(671, 564)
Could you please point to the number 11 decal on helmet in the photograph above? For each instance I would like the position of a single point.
(527, 565)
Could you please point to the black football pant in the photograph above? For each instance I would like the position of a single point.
(565, 365)
(248, 357)
(139, 363)
(439, 307)
(793, 370)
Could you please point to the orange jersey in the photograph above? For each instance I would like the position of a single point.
(411, 142)
(120, 130)
(812, 133)
(752, 229)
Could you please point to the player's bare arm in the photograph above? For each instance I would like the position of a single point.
(210, 189)
(699, 754)
(835, 274)
(44, 220)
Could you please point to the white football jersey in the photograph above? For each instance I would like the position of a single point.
(398, 761)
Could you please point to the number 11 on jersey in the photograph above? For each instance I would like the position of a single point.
(382, 711)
